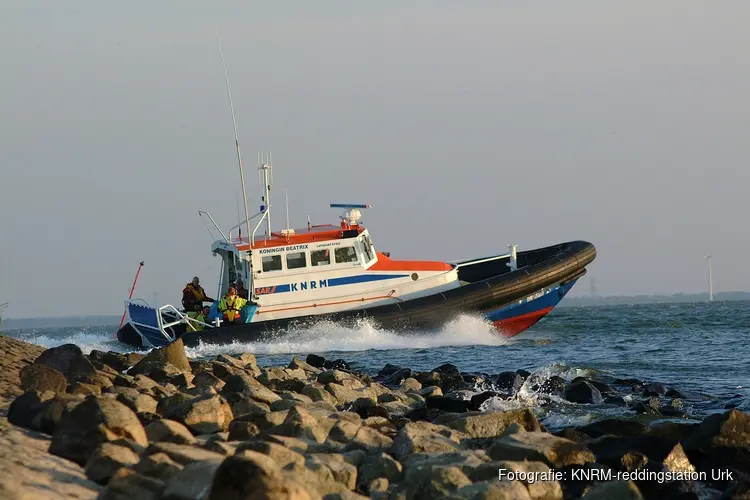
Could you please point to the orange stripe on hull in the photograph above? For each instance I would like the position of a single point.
(386, 264)
(513, 326)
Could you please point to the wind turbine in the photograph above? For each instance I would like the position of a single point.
(710, 280)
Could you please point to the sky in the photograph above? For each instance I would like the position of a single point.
(466, 125)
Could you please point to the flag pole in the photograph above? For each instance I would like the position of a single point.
(122, 321)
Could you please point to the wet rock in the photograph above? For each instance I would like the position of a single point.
(494, 424)
(337, 364)
(126, 484)
(107, 459)
(448, 404)
(554, 386)
(579, 478)
(40, 377)
(649, 407)
(572, 434)
(477, 400)
(410, 384)
(609, 450)
(614, 490)
(583, 391)
(203, 415)
(508, 382)
(397, 377)
(169, 431)
(540, 446)
(92, 423)
(614, 427)
(655, 389)
(674, 393)
(315, 361)
(67, 359)
(727, 429)
(387, 370)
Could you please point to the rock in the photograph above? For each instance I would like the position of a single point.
(317, 392)
(340, 469)
(253, 475)
(583, 391)
(138, 402)
(300, 423)
(126, 484)
(540, 446)
(388, 369)
(242, 430)
(423, 437)
(531, 474)
(410, 384)
(614, 427)
(507, 382)
(315, 361)
(449, 404)
(39, 377)
(84, 389)
(25, 408)
(169, 431)
(370, 440)
(493, 490)
(397, 377)
(655, 389)
(477, 400)
(436, 482)
(244, 384)
(375, 467)
(91, 423)
(337, 364)
(107, 459)
(172, 354)
(726, 429)
(489, 425)
(158, 466)
(181, 453)
(67, 359)
(203, 415)
(206, 379)
(297, 363)
(614, 490)
(280, 454)
(192, 482)
(554, 385)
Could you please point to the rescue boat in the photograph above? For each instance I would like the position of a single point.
(334, 272)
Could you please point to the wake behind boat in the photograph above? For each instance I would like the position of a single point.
(334, 272)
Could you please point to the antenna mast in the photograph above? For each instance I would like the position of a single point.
(710, 280)
(265, 160)
(234, 122)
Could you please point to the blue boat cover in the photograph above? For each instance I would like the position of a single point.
(144, 315)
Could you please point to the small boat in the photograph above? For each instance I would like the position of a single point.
(334, 272)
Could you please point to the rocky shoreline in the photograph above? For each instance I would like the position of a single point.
(161, 426)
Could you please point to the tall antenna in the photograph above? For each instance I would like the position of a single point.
(234, 121)
(265, 176)
(710, 280)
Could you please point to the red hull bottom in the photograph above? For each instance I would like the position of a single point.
(513, 326)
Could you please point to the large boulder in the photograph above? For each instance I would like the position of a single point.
(489, 425)
(203, 415)
(69, 360)
(172, 354)
(39, 377)
(540, 446)
(91, 423)
(107, 460)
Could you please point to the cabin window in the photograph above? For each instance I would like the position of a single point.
(320, 258)
(346, 254)
(367, 247)
(296, 260)
(271, 263)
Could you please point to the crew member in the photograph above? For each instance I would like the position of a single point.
(203, 318)
(193, 297)
(230, 305)
(241, 290)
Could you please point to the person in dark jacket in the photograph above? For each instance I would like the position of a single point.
(241, 290)
(193, 296)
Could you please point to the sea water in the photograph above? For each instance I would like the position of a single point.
(700, 349)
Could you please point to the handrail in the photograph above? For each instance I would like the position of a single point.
(201, 212)
(244, 222)
(478, 261)
(265, 213)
